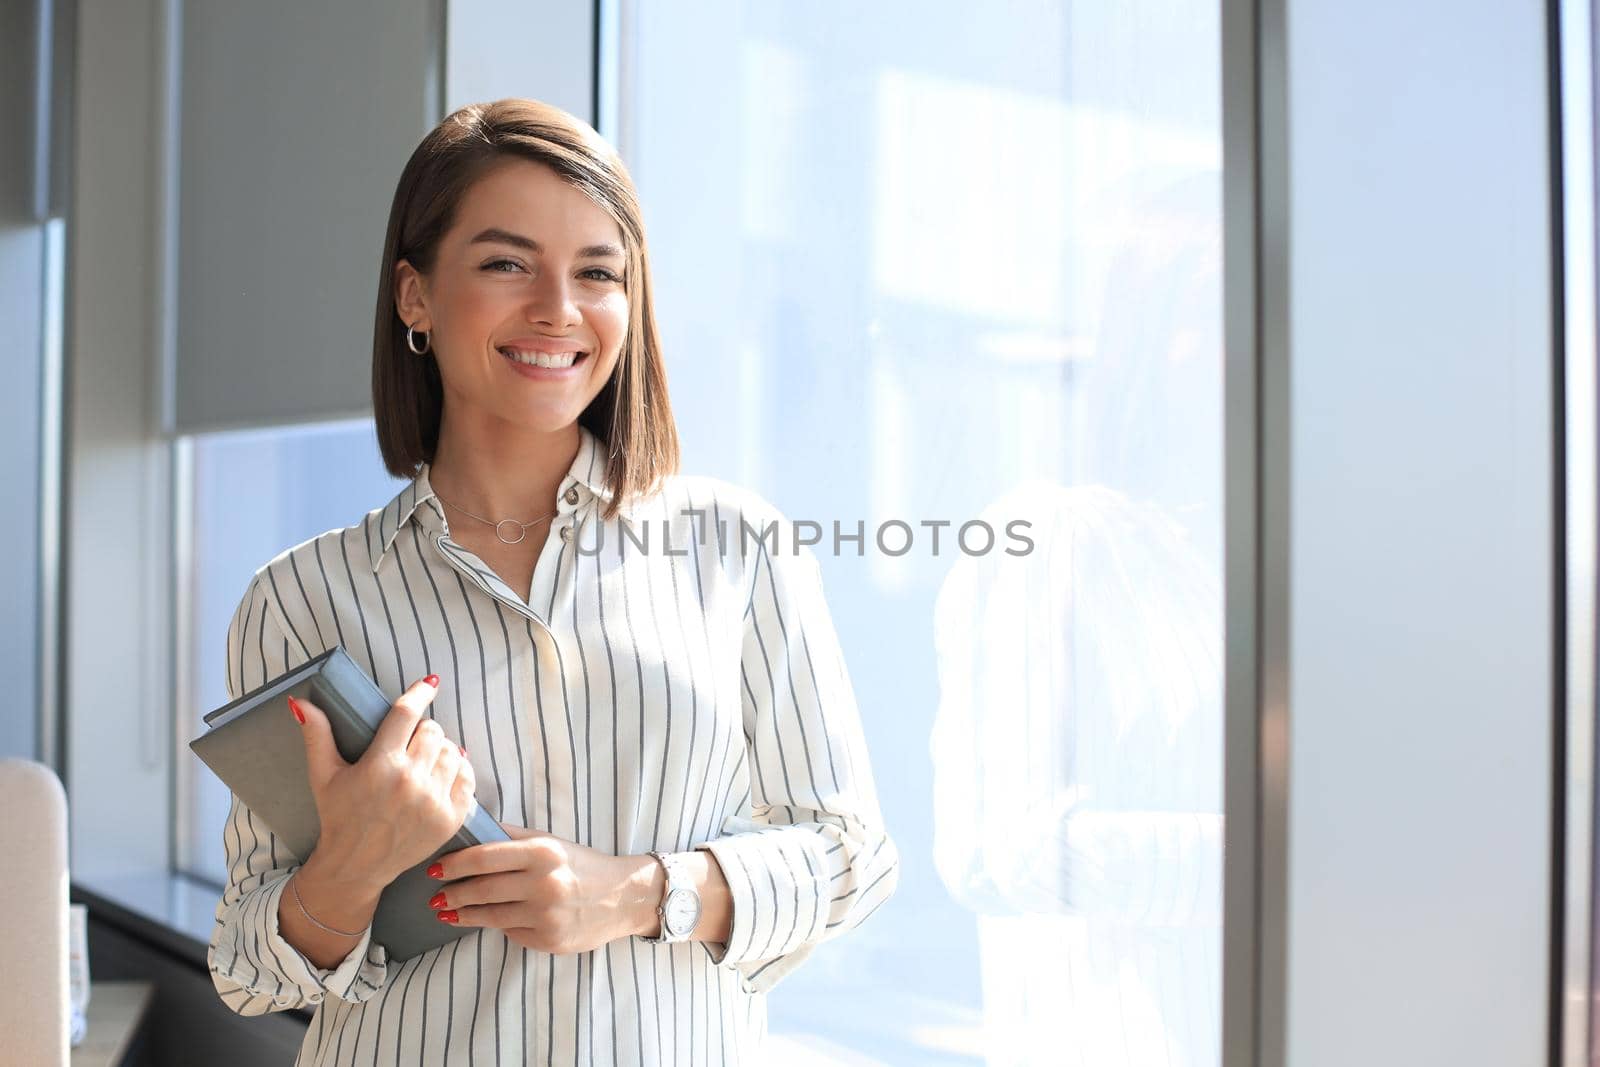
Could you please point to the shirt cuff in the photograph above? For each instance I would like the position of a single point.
(270, 958)
(780, 896)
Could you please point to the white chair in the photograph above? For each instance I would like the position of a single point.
(35, 1005)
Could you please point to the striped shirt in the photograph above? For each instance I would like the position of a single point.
(673, 681)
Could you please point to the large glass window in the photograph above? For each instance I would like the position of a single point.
(255, 494)
(931, 264)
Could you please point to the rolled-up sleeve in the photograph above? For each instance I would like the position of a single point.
(815, 860)
(254, 969)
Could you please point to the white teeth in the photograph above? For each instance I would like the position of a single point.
(542, 359)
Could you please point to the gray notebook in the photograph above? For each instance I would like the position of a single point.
(254, 745)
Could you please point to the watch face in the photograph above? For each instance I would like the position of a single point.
(683, 911)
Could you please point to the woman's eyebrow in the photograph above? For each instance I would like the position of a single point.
(495, 235)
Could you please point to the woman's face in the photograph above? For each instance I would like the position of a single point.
(530, 267)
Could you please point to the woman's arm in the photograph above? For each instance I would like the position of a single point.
(814, 859)
(258, 964)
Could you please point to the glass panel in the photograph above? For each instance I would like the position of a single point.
(257, 494)
(925, 264)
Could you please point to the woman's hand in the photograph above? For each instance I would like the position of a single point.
(544, 892)
(394, 807)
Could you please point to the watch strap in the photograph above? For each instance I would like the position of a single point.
(675, 880)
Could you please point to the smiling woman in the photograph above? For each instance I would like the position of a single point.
(669, 738)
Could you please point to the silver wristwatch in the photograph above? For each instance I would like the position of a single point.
(680, 905)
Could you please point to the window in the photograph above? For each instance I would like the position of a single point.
(922, 264)
(254, 494)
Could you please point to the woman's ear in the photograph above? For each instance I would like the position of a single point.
(410, 296)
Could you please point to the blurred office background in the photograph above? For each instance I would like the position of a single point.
(926, 262)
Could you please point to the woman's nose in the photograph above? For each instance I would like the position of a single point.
(552, 300)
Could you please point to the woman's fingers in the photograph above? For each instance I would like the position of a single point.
(482, 860)
(401, 800)
(322, 755)
(425, 742)
(446, 765)
(463, 788)
(501, 916)
(502, 888)
(398, 725)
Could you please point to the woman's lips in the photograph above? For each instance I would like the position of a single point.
(538, 343)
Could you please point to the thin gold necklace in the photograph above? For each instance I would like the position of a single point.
(522, 527)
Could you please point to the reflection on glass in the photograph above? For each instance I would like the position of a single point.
(252, 496)
(1079, 684)
(1077, 749)
(936, 263)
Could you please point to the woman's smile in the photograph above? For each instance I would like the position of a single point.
(544, 365)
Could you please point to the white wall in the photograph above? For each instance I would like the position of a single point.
(117, 534)
(1420, 670)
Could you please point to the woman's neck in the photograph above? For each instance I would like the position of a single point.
(502, 479)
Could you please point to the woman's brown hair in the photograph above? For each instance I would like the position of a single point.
(631, 413)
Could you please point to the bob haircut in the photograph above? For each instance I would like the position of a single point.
(631, 413)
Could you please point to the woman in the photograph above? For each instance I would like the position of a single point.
(653, 698)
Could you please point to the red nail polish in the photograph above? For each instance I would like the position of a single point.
(438, 900)
(436, 871)
(433, 680)
(299, 715)
(448, 916)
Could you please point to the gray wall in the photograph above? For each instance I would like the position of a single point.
(294, 121)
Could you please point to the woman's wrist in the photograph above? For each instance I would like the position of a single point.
(644, 887)
(331, 877)
(299, 902)
(316, 915)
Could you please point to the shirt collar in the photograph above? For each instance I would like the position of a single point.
(417, 500)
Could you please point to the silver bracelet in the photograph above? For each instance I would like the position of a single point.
(321, 926)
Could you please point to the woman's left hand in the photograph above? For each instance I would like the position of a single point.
(546, 893)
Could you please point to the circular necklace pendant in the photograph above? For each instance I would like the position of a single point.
(522, 531)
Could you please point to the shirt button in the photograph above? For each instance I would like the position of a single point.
(566, 534)
(572, 495)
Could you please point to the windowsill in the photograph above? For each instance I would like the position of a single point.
(173, 913)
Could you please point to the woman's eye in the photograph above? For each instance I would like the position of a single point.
(497, 266)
